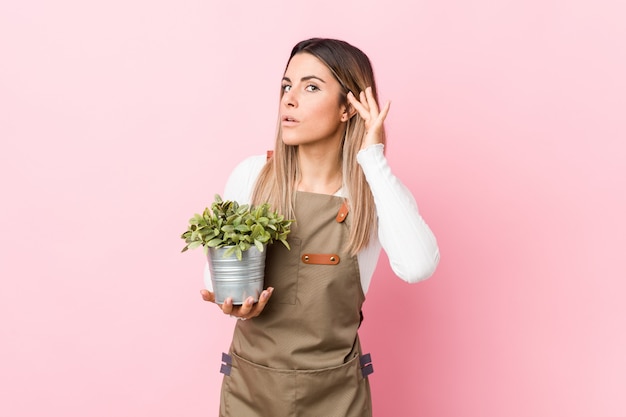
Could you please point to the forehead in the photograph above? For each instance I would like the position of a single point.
(304, 65)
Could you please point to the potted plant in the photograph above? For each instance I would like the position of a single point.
(234, 238)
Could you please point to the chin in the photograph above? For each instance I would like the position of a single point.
(292, 140)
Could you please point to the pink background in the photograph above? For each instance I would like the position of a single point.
(507, 123)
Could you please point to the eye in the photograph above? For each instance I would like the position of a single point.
(311, 88)
(286, 88)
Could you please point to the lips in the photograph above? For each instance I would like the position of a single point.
(288, 120)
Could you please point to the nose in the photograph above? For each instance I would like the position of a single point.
(289, 99)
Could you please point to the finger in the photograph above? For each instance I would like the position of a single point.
(383, 113)
(245, 308)
(227, 307)
(207, 295)
(364, 102)
(371, 101)
(251, 309)
(263, 299)
(357, 105)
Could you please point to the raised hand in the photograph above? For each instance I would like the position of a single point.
(247, 310)
(374, 118)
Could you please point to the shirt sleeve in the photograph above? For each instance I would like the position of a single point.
(404, 235)
(240, 184)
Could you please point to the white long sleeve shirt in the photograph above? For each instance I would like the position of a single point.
(408, 241)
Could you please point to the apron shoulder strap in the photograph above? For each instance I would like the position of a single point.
(343, 212)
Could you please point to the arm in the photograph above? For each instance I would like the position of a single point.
(241, 181)
(409, 243)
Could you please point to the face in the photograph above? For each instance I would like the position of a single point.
(311, 111)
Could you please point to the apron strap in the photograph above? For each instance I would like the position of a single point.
(320, 258)
(343, 212)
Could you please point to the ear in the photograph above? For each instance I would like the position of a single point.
(348, 112)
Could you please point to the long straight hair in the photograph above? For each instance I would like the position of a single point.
(279, 177)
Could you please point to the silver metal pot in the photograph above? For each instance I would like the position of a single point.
(234, 278)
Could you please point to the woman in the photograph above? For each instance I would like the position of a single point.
(296, 351)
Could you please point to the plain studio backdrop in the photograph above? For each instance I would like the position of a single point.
(120, 119)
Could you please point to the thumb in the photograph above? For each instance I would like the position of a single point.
(207, 295)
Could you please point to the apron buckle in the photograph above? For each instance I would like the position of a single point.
(227, 364)
(366, 365)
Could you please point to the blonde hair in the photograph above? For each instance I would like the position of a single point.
(279, 177)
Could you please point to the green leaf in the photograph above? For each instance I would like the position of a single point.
(257, 230)
(264, 237)
(194, 245)
(228, 228)
(242, 228)
(229, 251)
(214, 242)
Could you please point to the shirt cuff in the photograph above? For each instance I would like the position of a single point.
(370, 153)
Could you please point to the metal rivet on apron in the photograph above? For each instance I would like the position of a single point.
(306, 258)
(332, 259)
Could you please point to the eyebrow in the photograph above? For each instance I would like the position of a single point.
(307, 78)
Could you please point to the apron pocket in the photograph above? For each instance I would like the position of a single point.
(255, 390)
(340, 391)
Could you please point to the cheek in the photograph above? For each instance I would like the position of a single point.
(327, 112)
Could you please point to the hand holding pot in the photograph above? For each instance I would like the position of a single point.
(247, 310)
